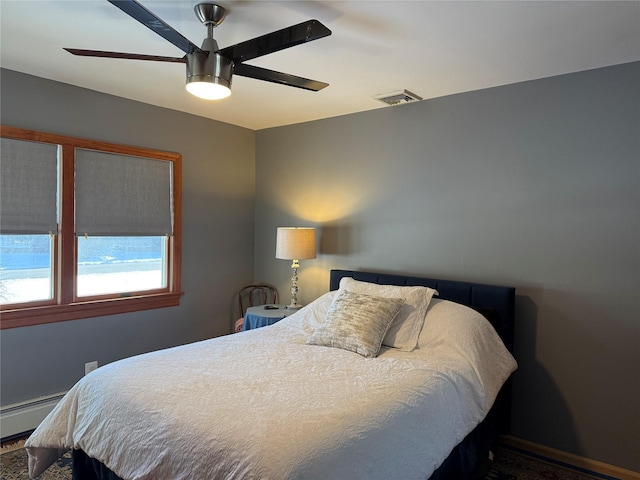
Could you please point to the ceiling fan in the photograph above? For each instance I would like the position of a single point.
(209, 68)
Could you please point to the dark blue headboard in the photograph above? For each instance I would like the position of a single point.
(496, 303)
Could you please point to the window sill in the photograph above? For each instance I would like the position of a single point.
(25, 317)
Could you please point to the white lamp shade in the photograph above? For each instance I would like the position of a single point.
(293, 243)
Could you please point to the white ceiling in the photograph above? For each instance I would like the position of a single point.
(430, 48)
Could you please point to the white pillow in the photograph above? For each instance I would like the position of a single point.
(357, 323)
(454, 330)
(404, 331)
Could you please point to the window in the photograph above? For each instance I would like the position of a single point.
(86, 228)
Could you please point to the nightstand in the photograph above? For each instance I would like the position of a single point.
(263, 315)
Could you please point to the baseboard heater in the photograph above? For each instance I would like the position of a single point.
(26, 416)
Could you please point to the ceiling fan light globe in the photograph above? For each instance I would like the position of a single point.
(208, 90)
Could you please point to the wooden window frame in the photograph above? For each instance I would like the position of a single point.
(65, 306)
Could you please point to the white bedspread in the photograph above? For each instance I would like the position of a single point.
(263, 405)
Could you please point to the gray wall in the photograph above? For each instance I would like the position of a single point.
(534, 185)
(218, 166)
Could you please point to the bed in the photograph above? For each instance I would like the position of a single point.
(421, 392)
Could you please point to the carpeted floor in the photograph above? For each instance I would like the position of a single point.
(13, 465)
(508, 464)
(512, 464)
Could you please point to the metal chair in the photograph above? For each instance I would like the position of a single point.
(252, 295)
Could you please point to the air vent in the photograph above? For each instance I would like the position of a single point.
(398, 98)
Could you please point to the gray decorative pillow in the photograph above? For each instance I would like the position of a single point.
(357, 322)
(405, 328)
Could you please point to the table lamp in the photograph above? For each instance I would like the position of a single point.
(295, 243)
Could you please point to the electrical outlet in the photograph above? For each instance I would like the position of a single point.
(90, 367)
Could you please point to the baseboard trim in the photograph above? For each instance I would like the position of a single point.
(26, 416)
(571, 459)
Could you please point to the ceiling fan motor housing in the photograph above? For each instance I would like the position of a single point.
(209, 67)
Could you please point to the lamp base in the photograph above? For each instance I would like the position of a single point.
(294, 305)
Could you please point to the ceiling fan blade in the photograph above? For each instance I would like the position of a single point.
(130, 56)
(258, 73)
(148, 19)
(275, 41)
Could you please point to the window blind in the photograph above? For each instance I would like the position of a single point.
(122, 195)
(28, 187)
